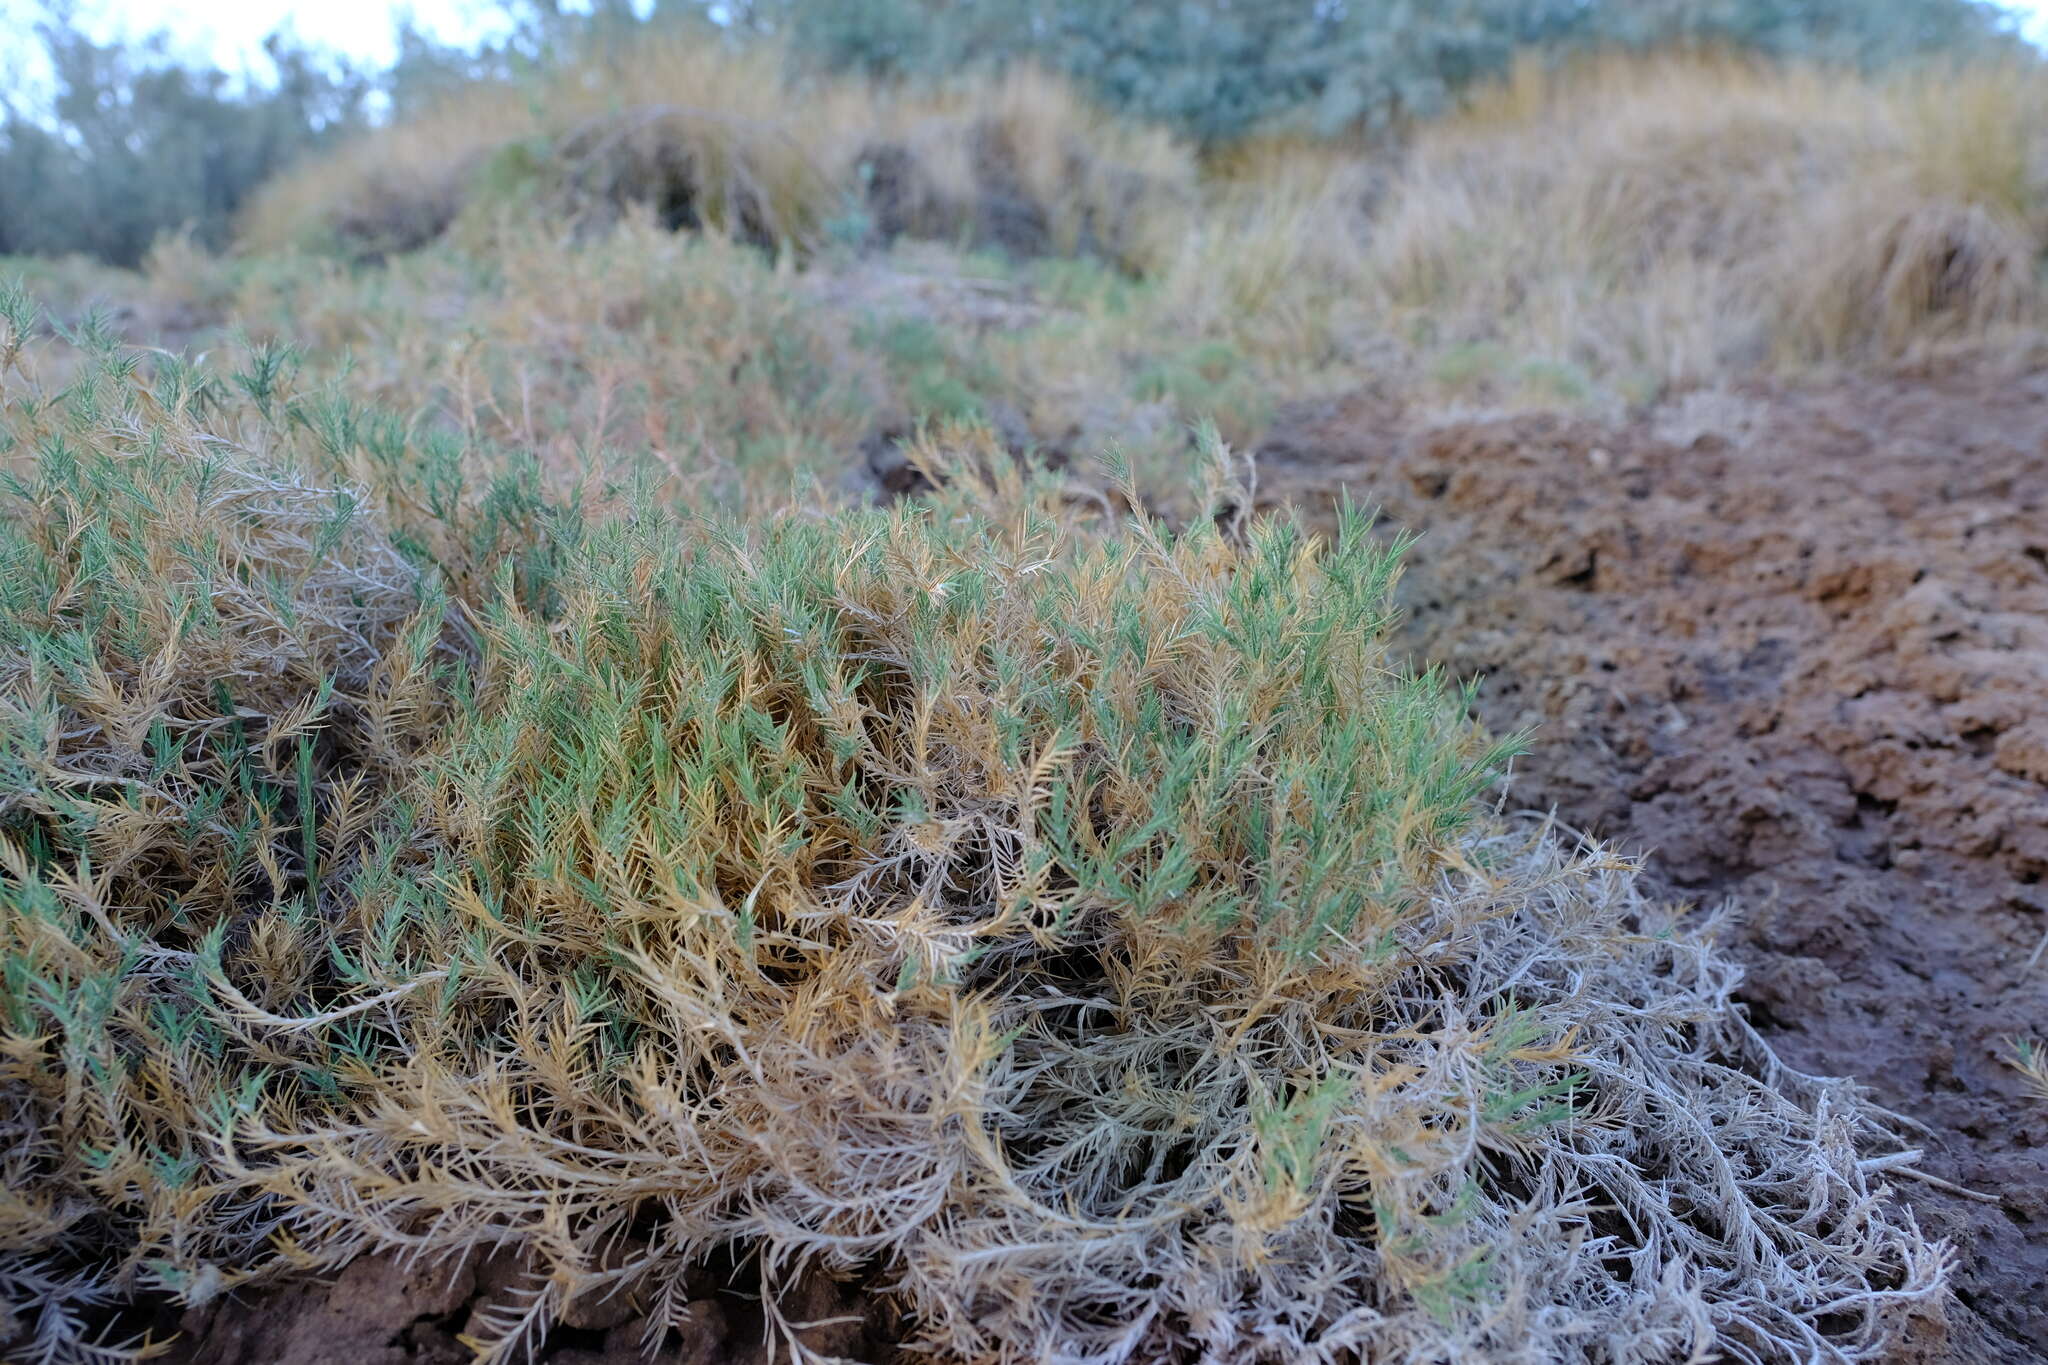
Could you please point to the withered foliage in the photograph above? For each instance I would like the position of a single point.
(1081, 928)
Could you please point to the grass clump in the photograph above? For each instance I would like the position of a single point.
(1722, 218)
(1081, 929)
(700, 130)
(211, 670)
(723, 137)
(1719, 214)
(693, 359)
(1020, 161)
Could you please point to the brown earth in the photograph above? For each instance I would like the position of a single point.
(1793, 643)
(385, 1310)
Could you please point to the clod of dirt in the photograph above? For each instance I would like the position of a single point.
(377, 1311)
(384, 1310)
(1800, 655)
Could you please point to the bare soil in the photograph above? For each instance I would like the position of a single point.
(386, 1310)
(1791, 643)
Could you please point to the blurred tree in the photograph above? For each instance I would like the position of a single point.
(135, 144)
(1218, 68)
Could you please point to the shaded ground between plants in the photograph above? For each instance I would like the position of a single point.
(386, 1310)
(1792, 642)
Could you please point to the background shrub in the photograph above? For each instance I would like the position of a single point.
(137, 145)
(1218, 69)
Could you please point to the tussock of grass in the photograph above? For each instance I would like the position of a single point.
(718, 137)
(1080, 926)
(684, 123)
(690, 359)
(212, 673)
(1715, 212)
(1021, 162)
(1716, 218)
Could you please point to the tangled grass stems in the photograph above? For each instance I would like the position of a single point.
(1080, 926)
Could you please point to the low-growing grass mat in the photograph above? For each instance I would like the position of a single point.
(1079, 925)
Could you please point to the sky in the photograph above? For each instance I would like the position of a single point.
(229, 33)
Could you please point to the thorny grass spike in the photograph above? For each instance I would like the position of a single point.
(1080, 925)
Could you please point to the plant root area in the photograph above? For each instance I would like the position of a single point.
(1791, 644)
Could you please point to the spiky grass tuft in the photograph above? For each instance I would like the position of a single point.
(2031, 1059)
(1719, 211)
(1080, 927)
(212, 670)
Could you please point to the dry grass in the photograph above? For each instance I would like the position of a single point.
(680, 122)
(1714, 214)
(1020, 161)
(713, 137)
(1599, 234)
(1079, 927)
(645, 353)
(418, 833)
(2032, 1063)
(210, 669)
(1717, 216)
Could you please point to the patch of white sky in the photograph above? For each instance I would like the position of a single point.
(229, 34)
